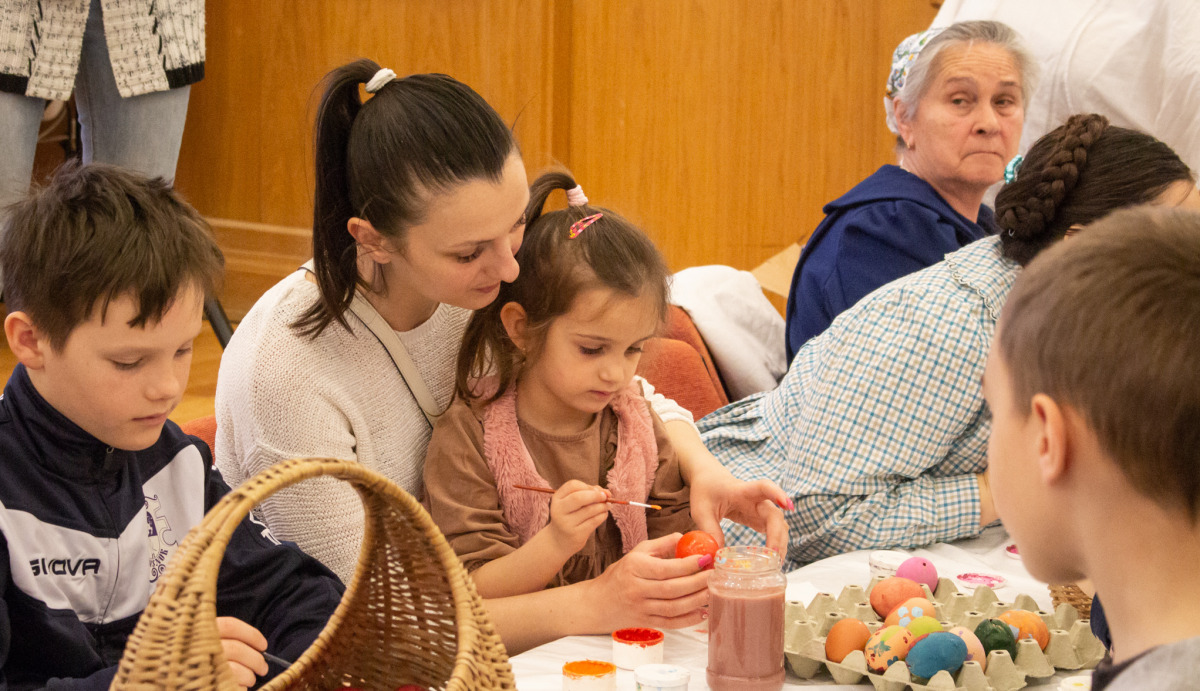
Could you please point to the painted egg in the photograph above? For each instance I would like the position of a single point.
(936, 652)
(996, 635)
(912, 608)
(890, 593)
(923, 625)
(886, 646)
(921, 570)
(1026, 624)
(975, 649)
(846, 636)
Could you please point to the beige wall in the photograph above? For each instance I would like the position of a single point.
(722, 126)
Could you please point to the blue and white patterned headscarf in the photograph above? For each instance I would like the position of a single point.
(902, 59)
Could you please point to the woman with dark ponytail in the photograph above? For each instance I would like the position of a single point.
(419, 208)
(879, 429)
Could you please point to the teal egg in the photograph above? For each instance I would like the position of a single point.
(936, 652)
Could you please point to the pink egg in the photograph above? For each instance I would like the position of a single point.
(975, 649)
(919, 569)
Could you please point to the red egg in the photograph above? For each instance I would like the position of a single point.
(696, 542)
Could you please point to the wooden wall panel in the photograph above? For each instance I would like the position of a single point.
(247, 150)
(724, 126)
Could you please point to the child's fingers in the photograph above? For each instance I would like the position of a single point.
(246, 662)
(578, 498)
(232, 628)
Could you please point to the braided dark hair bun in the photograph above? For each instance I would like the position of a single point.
(1026, 207)
(1076, 174)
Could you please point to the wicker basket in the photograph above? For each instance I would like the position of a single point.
(410, 614)
(1074, 596)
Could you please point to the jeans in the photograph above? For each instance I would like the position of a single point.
(142, 133)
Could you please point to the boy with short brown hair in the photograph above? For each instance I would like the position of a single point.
(105, 274)
(1093, 382)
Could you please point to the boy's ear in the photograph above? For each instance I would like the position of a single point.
(1053, 443)
(370, 241)
(25, 340)
(514, 319)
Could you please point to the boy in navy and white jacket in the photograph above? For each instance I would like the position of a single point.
(105, 275)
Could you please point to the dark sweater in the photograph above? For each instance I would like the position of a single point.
(86, 531)
(890, 225)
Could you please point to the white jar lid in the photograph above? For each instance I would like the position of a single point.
(662, 675)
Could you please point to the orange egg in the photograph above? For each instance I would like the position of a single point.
(886, 646)
(1028, 625)
(891, 592)
(908, 610)
(846, 636)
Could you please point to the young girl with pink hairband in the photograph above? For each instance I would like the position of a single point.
(547, 400)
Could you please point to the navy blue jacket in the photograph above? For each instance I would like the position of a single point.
(890, 225)
(86, 530)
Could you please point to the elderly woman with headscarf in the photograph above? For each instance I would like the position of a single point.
(956, 102)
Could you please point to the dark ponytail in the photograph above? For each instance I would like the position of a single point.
(1076, 174)
(610, 253)
(382, 160)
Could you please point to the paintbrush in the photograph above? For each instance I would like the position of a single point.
(547, 490)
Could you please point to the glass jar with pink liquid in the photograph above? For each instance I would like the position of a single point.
(745, 620)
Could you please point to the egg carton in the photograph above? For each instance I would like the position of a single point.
(1072, 645)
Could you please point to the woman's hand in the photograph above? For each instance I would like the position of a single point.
(649, 587)
(243, 645)
(717, 494)
(576, 511)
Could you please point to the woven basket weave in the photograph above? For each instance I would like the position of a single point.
(410, 614)
(1074, 596)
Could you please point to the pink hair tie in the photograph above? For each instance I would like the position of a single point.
(576, 197)
(581, 225)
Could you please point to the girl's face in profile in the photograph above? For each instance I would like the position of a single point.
(588, 355)
(464, 248)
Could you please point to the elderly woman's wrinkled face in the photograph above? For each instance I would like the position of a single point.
(968, 123)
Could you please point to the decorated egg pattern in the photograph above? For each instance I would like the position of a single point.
(912, 608)
(890, 593)
(975, 649)
(846, 636)
(886, 646)
(936, 652)
(1026, 624)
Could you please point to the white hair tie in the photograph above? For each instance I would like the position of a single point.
(381, 78)
(576, 197)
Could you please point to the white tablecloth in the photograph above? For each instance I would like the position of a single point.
(540, 669)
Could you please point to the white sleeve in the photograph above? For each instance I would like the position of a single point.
(664, 407)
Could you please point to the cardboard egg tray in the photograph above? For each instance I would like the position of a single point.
(1072, 645)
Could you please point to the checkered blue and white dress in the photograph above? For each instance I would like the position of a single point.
(879, 426)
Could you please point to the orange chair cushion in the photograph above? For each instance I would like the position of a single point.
(679, 366)
(203, 427)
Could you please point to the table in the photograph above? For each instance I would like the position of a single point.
(540, 669)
